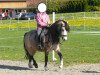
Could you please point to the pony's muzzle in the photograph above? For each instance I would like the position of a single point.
(64, 38)
(64, 34)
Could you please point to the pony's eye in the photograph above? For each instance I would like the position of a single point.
(62, 29)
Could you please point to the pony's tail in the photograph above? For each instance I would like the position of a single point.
(27, 55)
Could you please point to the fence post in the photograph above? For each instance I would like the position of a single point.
(84, 20)
(53, 17)
(29, 23)
(53, 54)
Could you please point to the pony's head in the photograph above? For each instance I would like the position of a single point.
(64, 29)
(60, 29)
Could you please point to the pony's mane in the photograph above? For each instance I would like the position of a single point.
(55, 30)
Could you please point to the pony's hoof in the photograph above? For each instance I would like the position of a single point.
(30, 65)
(60, 67)
(36, 66)
(46, 68)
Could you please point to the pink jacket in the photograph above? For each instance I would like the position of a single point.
(42, 19)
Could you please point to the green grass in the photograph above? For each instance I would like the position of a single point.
(11, 45)
(80, 48)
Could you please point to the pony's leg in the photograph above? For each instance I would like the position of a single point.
(61, 59)
(34, 63)
(53, 56)
(46, 60)
(57, 49)
(30, 61)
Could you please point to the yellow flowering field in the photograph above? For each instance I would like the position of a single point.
(84, 22)
(30, 24)
(78, 22)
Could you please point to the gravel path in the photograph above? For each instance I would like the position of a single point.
(8, 67)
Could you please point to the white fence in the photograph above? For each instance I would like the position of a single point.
(64, 16)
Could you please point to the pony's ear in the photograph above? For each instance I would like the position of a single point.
(67, 26)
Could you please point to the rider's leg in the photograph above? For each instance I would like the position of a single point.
(42, 39)
(39, 30)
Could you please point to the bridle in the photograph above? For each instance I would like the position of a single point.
(63, 32)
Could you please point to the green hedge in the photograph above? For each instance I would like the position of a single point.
(73, 5)
(61, 6)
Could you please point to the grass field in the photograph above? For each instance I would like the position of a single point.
(80, 47)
